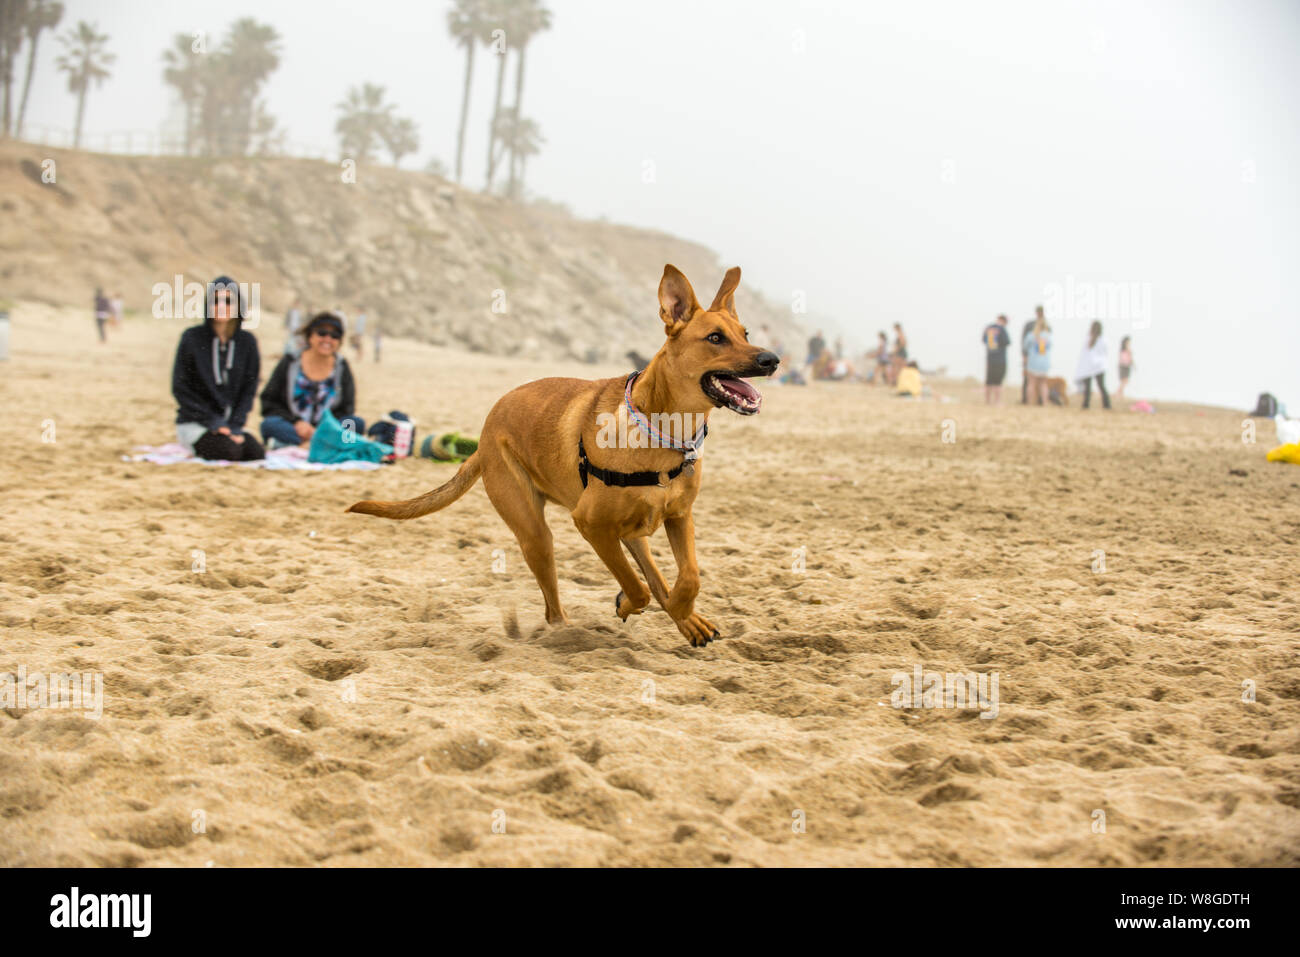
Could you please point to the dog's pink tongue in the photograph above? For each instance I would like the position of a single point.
(741, 388)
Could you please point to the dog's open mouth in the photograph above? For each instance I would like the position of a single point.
(729, 390)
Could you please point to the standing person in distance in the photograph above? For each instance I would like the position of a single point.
(359, 332)
(292, 323)
(1025, 333)
(103, 313)
(996, 341)
(1092, 365)
(1125, 366)
(1038, 359)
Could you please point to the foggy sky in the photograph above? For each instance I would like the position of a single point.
(927, 163)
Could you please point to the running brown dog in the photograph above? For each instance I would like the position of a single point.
(543, 443)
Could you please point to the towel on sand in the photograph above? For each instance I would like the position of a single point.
(279, 459)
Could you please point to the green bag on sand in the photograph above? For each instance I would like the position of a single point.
(448, 447)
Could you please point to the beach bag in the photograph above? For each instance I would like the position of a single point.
(396, 429)
(330, 445)
(1266, 406)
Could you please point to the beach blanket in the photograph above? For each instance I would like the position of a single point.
(294, 458)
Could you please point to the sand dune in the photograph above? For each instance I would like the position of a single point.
(227, 706)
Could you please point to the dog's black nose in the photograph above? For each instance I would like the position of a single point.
(767, 361)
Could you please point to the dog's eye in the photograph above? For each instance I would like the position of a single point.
(717, 338)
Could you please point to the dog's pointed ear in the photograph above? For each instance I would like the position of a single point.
(677, 302)
(726, 297)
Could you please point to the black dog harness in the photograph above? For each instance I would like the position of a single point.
(614, 479)
(620, 479)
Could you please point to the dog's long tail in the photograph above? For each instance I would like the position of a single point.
(440, 497)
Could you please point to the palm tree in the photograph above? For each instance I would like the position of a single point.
(532, 18)
(266, 139)
(227, 117)
(85, 61)
(184, 71)
(42, 15)
(466, 24)
(217, 89)
(363, 122)
(500, 16)
(401, 138)
(252, 52)
(13, 17)
(522, 137)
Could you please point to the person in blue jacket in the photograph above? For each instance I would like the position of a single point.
(1038, 359)
(214, 380)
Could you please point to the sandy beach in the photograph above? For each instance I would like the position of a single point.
(337, 690)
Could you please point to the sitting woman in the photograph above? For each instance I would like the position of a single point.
(301, 388)
(214, 380)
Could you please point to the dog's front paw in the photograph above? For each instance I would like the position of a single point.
(624, 606)
(699, 631)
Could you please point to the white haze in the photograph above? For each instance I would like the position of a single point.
(928, 163)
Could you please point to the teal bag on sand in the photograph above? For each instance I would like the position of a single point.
(331, 444)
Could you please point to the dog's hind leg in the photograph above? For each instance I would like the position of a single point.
(522, 507)
(681, 600)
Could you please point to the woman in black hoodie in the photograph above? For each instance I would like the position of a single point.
(214, 380)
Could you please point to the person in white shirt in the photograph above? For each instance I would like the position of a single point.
(1092, 365)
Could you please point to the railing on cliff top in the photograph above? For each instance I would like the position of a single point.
(147, 143)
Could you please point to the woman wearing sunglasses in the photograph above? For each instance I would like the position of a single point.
(301, 388)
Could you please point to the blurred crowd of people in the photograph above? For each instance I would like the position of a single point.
(217, 370)
(889, 364)
(1038, 385)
